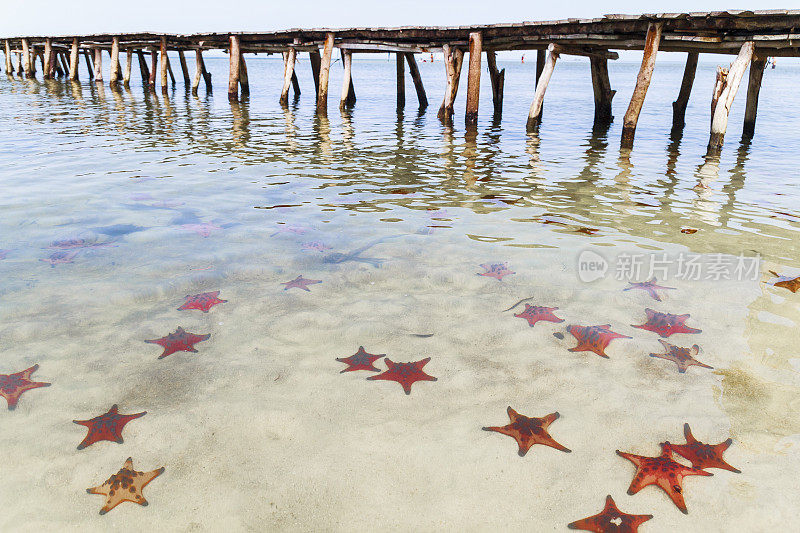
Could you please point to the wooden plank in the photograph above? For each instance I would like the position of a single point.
(233, 73)
(401, 81)
(679, 105)
(535, 112)
(417, 79)
(324, 75)
(184, 69)
(347, 63)
(498, 81)
(719, 120)
(642, 83)
(757, 66)
(113, 79)
(474, 78)
(289, 59)
(603, 94)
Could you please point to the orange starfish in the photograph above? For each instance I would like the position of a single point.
(495, 270)
(594, 338)
(528, 431)
(662, 471)
(666, 324)
(787, 282)
(683, 357)
(535, 313)
(611, 519)
(13, 385)
(406, 374)
(700, 454)
(202, 302)
(125, 486)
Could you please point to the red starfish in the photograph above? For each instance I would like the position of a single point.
(535, 313)
(683, 357)
(203, 301)
(13, 385)
(107, 426)
(204, 229)
(611, 520)
(650, 286)
(495, 270)
(666, 324)
(300, 283)
(361, 360)
(594, 338)
(787, 282)
(700, 454)
(406, 374)
(316, 246)
(57, 258)
(528, 431)
(662, 471)
(179, 341)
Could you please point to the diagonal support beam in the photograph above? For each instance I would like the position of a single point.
(651, 43)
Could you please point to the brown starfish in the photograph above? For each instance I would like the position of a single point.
(700, 454)
(611, 520)
(300, 283)
(683, 357)
(787, 282)
(125, 486)
(528, 431)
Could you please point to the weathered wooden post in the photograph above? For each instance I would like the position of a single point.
(48, 64)
(26, 59)
(679, 105)
(453, 60)
(164, 66)
(98, 65)
(233, 72)
(401, 80)
(244, 81)
(498, 81)
(651, 43)
(126, 78)
(9, 64)
(324, 74)
(169, 69)
(73, 60)
(143, 70)
(315, 60)
(757, 66)
(347, 81)
(603, 94)
(198, 70)
(474, 78)
(87, 58)
(719, 120)
(541, 59)
(289, 59)
(151, 82)
(20, 67)
(535, 112)
(184, 70)
(114, 75)
(59, 71)
(414, 70)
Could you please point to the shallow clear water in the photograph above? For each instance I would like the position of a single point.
(165, 197)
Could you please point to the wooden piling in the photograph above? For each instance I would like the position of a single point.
(48, 63)
(151, 82)
(535, 112)
(184, 70)
(114, 75)
(244, 81)
(757, 66)
(417, 79)
(20, 68)
(98, 65)
(651, 43)
(26, 59)
(73, 60)
(401, 80)
(324, 74)
(289, 59)
(164, 66)
(233, 72)
(498, 81)
(603, 94)
(719, 121)
(88, 60)
(474, 78)
(126, 78)
(143, 70)
(679, 105)
(9, 64)
(61, 64)
(453, 60)
(169, 69)
(347, 82)
(198, 70)
(315, 60)
(295, 85)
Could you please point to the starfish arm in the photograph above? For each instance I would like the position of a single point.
(674, 495)
(96, 490)
(547, 440)
(147, 477)
(549, 419)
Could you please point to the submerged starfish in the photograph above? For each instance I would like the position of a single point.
(13, 385)
(666, 324)
(315, 246)
(528, 431)
(700, 454)
(361, 360)
(204, 229)
(179, 341)
(594, 338)
(3, 254)
(77, 243)
(300, 283)
(495, 270)
(611, 520)
(787, 282)
(297, 230)
(535, 313)
(107, 426)
(406, 374)
(683, 357)
(662, 471)
(650, 286)
(57, 258)
(125, 486)
(203, 301)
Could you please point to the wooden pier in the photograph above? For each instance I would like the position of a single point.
(750, 36)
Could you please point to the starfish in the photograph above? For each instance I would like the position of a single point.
(495, 270)
(662, 471)
(361, 360)
(297, 230)
(125, 486)
(203, 301)
(13, 385)
(700, 454)
(683, 357)
(535, 313)
(594, 338)
(179, 341)
(611, 520)
(107, 426)
(61, 258)
(406, 374)
(787, 282)
(315, 246)
(666, 324)
(3, 254)
(300, 283)
(77, 243)
(204, 229)
(650, 286)
(529, 431)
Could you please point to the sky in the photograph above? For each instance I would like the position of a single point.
(69, 17)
